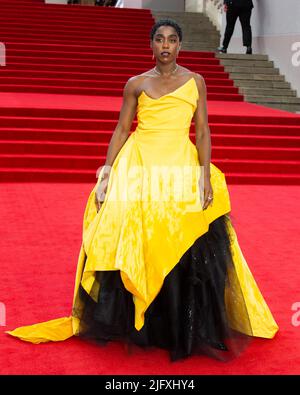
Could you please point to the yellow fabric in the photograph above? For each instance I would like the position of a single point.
(54, 330)
(262, 323)
(149, 219)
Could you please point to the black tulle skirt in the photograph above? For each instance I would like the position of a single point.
(188, 316)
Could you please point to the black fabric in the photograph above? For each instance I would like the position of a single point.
(188, 316)
(239, 3)
(244, 14)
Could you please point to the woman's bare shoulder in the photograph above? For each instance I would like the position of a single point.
(198, 77)
(135, 83)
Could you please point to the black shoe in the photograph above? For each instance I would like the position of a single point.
(222, 50)
(249, 51)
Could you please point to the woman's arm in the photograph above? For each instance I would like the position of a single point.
(119, 137)
(203, 141)
(121, 132)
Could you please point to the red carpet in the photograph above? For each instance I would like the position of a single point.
(41, 235)
(60, 94)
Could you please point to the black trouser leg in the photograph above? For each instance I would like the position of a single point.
(244, 16)
(231, 17)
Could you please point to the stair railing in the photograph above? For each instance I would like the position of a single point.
(214, 9)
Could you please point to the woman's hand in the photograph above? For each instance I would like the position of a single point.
(208, 193)
(101, 191)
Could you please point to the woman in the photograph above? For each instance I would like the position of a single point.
(160, 264)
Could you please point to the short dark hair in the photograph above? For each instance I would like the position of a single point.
(166, 22)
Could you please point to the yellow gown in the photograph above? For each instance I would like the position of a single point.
(151, 216)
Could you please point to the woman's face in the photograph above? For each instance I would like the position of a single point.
(165, 44)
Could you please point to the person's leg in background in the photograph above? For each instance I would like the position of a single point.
(231, 17)
(245, 16)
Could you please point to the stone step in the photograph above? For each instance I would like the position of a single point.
(251, 70)
(178, 14)
(199, 48)
(191, 22)
(274, 99)
(241, 56)
(259, 81)
(200, 28)
(204, 35)
(210, 43)
(196, 40)
(203, 30)
(281, 106)
(204, 47)
(248, 70)
(262, 84)
(267, 92)
(200, 18)
(247, 63)
(200, 37)
(185, 24)
(256, 77)
(196, 44)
